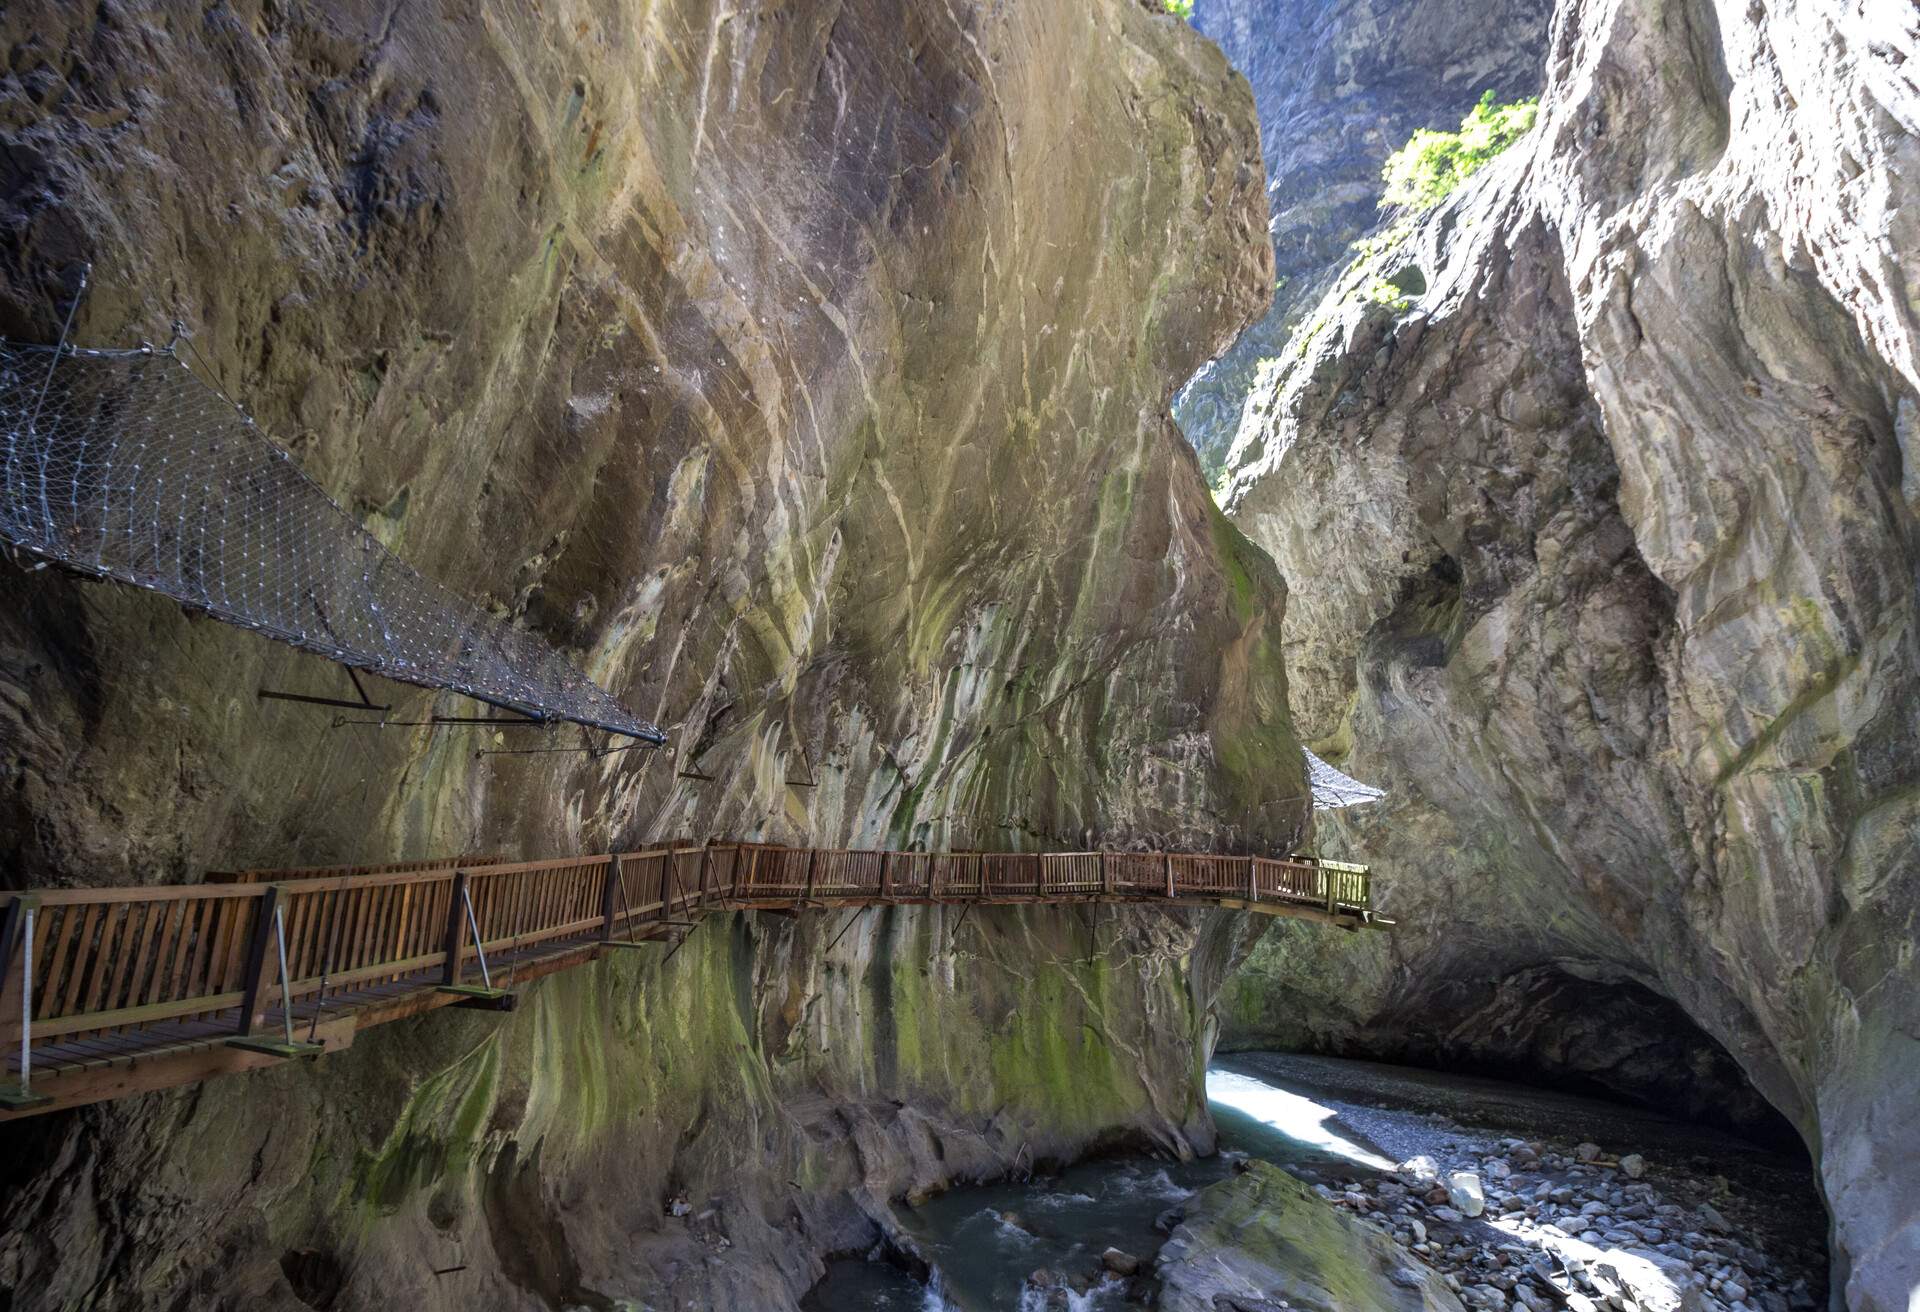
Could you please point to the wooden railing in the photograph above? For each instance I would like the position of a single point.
(102, 976)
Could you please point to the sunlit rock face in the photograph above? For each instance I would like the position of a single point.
(1341, 84)
(1603, 562)
(801, 372)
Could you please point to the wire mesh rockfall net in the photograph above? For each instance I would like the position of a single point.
(124, 464)
(1333, 789)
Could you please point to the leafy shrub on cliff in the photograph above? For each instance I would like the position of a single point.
(1431, 164)
(1179, 8)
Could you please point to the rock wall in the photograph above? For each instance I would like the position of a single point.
(687, 1134)
(1340, 85)
(803, 373)
(1603, 554)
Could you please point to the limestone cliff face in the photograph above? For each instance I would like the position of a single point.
(803, 373)
(1340, 85)
(1603, 554)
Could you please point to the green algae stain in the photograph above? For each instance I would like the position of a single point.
(437, 1133)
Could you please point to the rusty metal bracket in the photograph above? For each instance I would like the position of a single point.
(365, 703)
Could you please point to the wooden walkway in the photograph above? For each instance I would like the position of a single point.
(106, 992)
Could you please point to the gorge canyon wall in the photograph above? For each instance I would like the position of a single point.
(1595, 491)
(802, 373)
(1339, 85)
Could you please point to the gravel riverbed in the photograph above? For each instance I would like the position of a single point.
(1523, 1198)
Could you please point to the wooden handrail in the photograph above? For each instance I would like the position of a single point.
(111, 963)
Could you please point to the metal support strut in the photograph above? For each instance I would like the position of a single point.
(287, 1046)
(484, 995)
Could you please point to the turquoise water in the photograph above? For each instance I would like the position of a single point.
(984, 1241)
(1330, 1119)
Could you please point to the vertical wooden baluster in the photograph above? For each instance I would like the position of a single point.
(208, 943)
(229, 947)
(609, 895)
(260, 962)
(375, 929)
(71, 945)
(166, 953)
(99, 953)
(455, 946)
(125, 929)
(155, 912)
(296, 911)
(353, 915)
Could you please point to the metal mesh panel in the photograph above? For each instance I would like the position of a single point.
(124, 464)
(1333, 789)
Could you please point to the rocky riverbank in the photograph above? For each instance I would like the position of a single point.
(1528, 1200)
(1348, 1185)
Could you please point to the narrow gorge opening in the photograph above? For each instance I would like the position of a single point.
(1427, 820)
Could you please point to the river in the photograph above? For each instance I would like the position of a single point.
(1330, 1120)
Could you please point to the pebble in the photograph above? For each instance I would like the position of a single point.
(1634, 1165)
(1464, 1191)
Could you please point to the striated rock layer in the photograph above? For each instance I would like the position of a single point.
(1340, 85)
(1604, 556)
(802, 373)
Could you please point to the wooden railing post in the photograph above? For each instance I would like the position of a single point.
(456, 940)
(1327, 878)
(813, 859)
(13, 950)
(14, 947)
(886, 876)
(260, 963)
(608, 894)
(706, 861)
(1106, 874)
(1169, 859)
(1253, 879)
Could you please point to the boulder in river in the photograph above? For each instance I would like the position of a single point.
(1263, 1239)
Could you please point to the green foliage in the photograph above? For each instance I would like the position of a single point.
(1382, 292)
(1179, 8)
(1431, 164)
